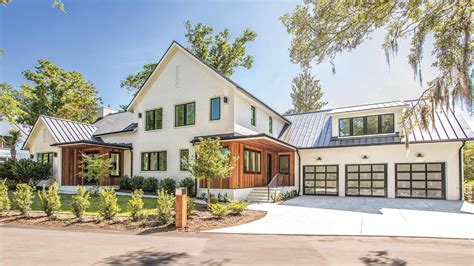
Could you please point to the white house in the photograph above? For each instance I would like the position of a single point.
(5, 128)
(351, 151)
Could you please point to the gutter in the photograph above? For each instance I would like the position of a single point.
(131, 163)
(299, 171)
(461, 170)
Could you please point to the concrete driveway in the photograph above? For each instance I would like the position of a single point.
(312, 215)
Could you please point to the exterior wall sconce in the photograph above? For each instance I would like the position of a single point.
(365, 157)
(419, 155)
(139, 115)
(32, 156)
(319, 159)
(225, 99)
(55, 154)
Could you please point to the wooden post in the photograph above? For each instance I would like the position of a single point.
(181, 207)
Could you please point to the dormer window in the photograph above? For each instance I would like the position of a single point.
(367, 125)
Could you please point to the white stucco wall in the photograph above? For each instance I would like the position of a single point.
(447, 152)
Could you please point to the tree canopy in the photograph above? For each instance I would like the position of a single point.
(57, 92)
(306, 93)
(323, 29)
(9, 104)
(217, 50)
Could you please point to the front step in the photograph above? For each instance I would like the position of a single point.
(260, 194)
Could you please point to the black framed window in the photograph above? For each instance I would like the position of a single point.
(270, 125)
(115, 168)
(154, 161)
(215, 109)
(185, 114)
(387, 122)
(321, 179)
(154, 119)
(183, 158)
(46, 157)
(367, 125)
(284, 164)
(344, 127)
(253, 116)
(366, 180)
(252, 161)
(420, 180)
(358, 126)
(372, 124)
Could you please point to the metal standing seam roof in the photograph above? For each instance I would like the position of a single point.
(313, 130)
(366, 107)
(115, 123)
(65, 131)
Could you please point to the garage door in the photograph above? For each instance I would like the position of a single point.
(366, 180)
(320, 179)
(420, 180)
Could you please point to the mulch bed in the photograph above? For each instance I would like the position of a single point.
(201, 220)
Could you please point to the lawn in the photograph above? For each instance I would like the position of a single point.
(149, 203)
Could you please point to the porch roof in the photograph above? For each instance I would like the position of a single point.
(237, 136)
(125, 146)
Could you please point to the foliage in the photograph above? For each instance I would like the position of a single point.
(57, 92)
(95, 168)
(80, 202)
(306, 93)
(217, 50)
(237, 207)
(151, 184)
(190, 207)
(6, 170)
(165, 205)
(277, 197)
(9, 103)
(210, 163)
(469, 161)
(136, 182)
(218, 210)
(23, 198)
(135, 205)
(29, 171)
(4, 199)
(323, 29)
(168, 184)
(108, 207)
(50, 200)
(189, 184)
(15, 136)
(125, 183)
(213, 200)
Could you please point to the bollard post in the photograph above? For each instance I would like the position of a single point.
(181, 207)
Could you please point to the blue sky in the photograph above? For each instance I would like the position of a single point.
(108, 39)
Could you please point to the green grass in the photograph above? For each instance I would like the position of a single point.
(149, 204)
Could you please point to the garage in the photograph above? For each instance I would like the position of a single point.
(369, 180)
(320, 179)
(420, 180)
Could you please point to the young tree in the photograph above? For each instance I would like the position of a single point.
(306, 93)
(15, 136)
(216, 50)
(95, 168)
(210, 163)
(9, 104)
(469, 161)
(57, 92)
(323, 29)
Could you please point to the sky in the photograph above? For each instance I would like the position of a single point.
(106, 40)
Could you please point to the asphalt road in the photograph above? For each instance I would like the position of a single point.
(28, 246)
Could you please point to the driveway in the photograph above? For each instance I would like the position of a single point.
(312, 215)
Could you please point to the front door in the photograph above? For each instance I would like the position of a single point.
(269, 168)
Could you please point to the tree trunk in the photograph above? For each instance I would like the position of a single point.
(208, 191)
(13, 151)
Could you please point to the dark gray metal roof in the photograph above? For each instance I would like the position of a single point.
(98, 142)
(313, 130)
(115, 123)
(68, 131)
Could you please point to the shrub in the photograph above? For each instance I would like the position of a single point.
(125, 183)
(276, 197)
(108, 207)
(6, 171)
(214, 200)
(190, 207)
(135, 205)
(49, 199)
(165, 204)
(168, 184)
(150, 184)
(136, 182)
(237, 207)
(23, 198)
(29, 171)
(189, 184)
(80, 202)
(218, 210)
(96, 168)
(4, 199)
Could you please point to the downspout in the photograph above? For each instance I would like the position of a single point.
(299, 171)
(461, 159)
(131, 163)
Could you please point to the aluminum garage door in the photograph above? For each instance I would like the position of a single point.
(366, 180)
(320, 179)
(420, 180)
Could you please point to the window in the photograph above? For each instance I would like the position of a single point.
(183, 158)
(284, 164)
(253, 116)
(215, 108)
(115, 169)
(270, 125)
(154, 161)
(252, 161)
(185, 114)
(154, 119)
(368, 125)
(45, 157)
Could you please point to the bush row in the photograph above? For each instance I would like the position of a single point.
(25, 171)
(152, 184)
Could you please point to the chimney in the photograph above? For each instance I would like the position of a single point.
(103, 111)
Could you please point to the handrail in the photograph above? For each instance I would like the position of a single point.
(274, 183)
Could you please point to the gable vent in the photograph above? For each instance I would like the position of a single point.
(178, 77)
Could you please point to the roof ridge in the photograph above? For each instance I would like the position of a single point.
(67, 120)
(309, 112)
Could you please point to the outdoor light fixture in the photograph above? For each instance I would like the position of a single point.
(319, 159)
(55, 154)
(32, 156)
(365, 157)
(225, 99)
(139, 115)
(419, 155)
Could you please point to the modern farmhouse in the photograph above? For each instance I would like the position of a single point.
(351, 151)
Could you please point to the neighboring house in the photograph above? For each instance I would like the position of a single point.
(352, 151)
(5, 147)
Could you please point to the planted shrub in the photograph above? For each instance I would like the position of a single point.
(125, 183)
(218, 210)
(136, 182)
(6, 170)
(4, 199)
(189, 184)
(237, 207)
(80, 202)
(135, 205)
(165, 204)
(150, 185)
(108, 207)
(29, 171)
(168, 184)
(214, 200)
(23, 198)
(49, 199)
(190, 207)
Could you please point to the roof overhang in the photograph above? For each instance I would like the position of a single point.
(124, 146)
(233, 137)
(368, 107)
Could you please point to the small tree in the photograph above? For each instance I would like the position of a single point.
(50, 200)
(23, 198)
(165, 204)
(95, 168)
(29, 171)
(135, 205)
(108, 206)
(4, 200)
(80, 202)
(210, 162)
